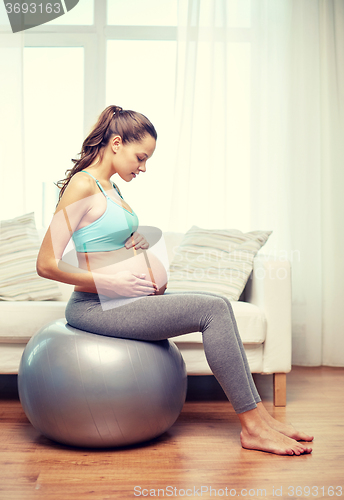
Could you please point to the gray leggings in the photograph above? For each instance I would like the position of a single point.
(158, 317)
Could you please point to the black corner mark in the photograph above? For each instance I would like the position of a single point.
(24, 15)
(70, 4)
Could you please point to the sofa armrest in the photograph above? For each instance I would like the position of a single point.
(269, 288)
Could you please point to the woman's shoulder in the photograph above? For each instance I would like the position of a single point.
(80, 187)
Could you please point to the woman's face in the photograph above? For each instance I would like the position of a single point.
(130, 159)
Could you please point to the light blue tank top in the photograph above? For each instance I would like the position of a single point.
(110, 231)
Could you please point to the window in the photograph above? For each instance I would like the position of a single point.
(53, 121)
(142, 13)
(116, 52)
(3, 15)
(81, 14)
(99, 53)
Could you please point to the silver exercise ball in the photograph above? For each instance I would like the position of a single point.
(83, 389)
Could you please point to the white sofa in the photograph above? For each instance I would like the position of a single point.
(263, 314)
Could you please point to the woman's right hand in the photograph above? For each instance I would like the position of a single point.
(124, 284)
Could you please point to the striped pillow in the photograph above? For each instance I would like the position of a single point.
(19, 246)
(217, 261)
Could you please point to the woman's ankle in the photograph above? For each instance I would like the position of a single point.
(251, 420)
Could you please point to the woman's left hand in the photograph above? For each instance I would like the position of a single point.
(137, 241)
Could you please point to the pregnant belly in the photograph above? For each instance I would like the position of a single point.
(140, 262)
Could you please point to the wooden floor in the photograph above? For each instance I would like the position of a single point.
(199, 457)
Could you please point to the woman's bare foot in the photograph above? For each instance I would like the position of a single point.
(257, 434)
(286, 429)
(267, 439)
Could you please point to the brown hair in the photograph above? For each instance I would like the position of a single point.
(129, 125)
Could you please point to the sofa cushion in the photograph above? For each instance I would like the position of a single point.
(196, 361)
(217, 261)
(19, 246)
(20, 320)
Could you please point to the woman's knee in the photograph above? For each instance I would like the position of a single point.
(227, 301)
(215, 306)
(220, 298)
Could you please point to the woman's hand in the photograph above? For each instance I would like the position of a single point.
(137, 241)
(124, 284)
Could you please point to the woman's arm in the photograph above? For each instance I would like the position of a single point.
(73, 206)
(75, 203)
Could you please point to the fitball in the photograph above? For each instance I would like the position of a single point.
(89, 390)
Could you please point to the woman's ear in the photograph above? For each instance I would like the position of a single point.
(116, 142)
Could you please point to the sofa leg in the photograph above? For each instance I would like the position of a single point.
(280, 389)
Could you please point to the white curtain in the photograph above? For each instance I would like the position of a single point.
(294, 149)
(297, 161)
(12, 157)
(212, 117)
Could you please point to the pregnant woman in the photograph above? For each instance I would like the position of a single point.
(120, 285)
